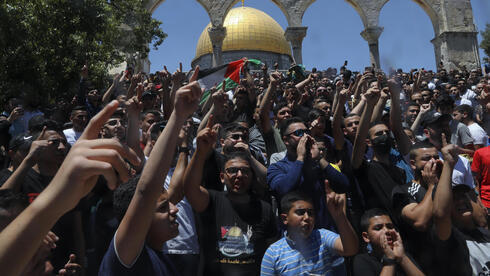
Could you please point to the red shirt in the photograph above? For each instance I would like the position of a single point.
(481, 167)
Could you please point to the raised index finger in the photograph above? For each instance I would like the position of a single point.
(93, 128)
(195, 74)
(210, 121)
(41, 135)
(180, 66)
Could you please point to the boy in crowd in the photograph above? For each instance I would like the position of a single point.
(388, 256)
(304, 250)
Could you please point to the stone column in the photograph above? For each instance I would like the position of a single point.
(217, 35)
(457, 49)
(295, 36)
(371, 35)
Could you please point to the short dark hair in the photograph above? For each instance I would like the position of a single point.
(232, 127)
(290, 198)
(444, 100)
(315, 114)
(123, 195)
(375, 212)
(11, 201)
(36, 127)
(78, 108)
(425, 144)
(286, 123)
(465, 108)
(236, 155)
(412, 103)
(279, 106)
(151, 111)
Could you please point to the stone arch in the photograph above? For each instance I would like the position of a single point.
(294, 10)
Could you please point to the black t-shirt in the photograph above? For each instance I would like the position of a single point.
(34, 183)
(4, 175)
(367, 265)
(235, 236)
(464, 253)
(418, 243)
(377, 181)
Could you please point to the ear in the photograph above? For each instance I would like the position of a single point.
(412, 164)
(345, 131)
(284, 219)
(365, 237)
(222, 142)
(222, 177)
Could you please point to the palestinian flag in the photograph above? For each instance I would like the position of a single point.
(230, 72)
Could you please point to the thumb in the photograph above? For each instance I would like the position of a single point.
(41, 134)
(195, 74)
(72, 258)
(443, 138)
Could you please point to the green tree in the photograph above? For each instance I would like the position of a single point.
(485, 43)
(44, 43)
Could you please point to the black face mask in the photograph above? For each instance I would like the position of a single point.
(382, 144)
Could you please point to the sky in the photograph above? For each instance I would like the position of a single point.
(333, 33)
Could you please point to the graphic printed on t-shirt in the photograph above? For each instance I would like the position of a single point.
(234, 243)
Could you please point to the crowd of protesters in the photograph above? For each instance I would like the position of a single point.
(288, 173)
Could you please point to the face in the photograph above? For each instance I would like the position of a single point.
(378, 130)
(283, 114)
(237, 176)
(379, 226)
(457, 116)
(148, 120)
(300, 220)
(93, 96)
(479, 88)
(321, 92)
(232, 138)
(422, 156)
(462, 209)
(453, 90)
(426, 95)
(412, 113)
(164, 225)
(115, 128)
(326, 107)
(351, 125)
(149, 101)
(57, 147)
(293, 134)
(417, 97)
(79, 119)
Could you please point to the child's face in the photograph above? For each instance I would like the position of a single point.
(380, 226)
(164, 225)
(300, 220)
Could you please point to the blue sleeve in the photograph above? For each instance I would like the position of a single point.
(329, 238)
(268, 263)
(282, 177)
(338, 181)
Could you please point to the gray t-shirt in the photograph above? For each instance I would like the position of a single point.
(460, 134)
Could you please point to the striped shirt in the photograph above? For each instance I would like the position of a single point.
(314, 256)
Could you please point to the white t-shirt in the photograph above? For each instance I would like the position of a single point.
(479, 135)
(72, 135)
(461, 172)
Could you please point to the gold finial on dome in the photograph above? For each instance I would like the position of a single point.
(243, 3)
(247, 29)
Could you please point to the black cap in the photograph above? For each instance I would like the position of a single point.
(149, 93)
(434, 117)
(20, 142)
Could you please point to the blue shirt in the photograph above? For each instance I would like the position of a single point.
(288, 175)
(315, 255)
(149, 262)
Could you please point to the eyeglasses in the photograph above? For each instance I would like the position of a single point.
(299, 132)
(232, 171)
(302, 212)
(237, 136)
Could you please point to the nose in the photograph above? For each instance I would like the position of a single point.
(173, 209)
(239, 173)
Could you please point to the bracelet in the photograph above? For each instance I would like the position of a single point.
(388, 261)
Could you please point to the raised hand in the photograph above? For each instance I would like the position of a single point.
(425, 107)
(431, 172)
(372, 96)
(134, 104)
(71, 267)
(37, 148)
(450, 152)
(187, 97)
(178, 77)
(15, 114)
(335, 202)
(275, 77)
(206, 138)
(301, 148)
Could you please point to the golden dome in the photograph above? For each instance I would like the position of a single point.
(247, 29)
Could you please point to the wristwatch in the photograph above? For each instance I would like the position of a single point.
(183, 149)
(387, 261)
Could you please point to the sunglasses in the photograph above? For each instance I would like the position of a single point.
(299, 132)
(302, 212)
(234, 170)
(237, 136)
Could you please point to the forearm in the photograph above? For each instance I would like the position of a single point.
(359, 142)
(414, 127)
(378, 110)
(284, 181)
(108, 94)
(133, 135)
(167, 103)
(443, 200)
(261, 175)
(176, 186)
(421, 215)
(192, 182)
(388, 270)
(348, 236)
(402, 140)
(337, 132)
(18, 241)
(359, 107)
